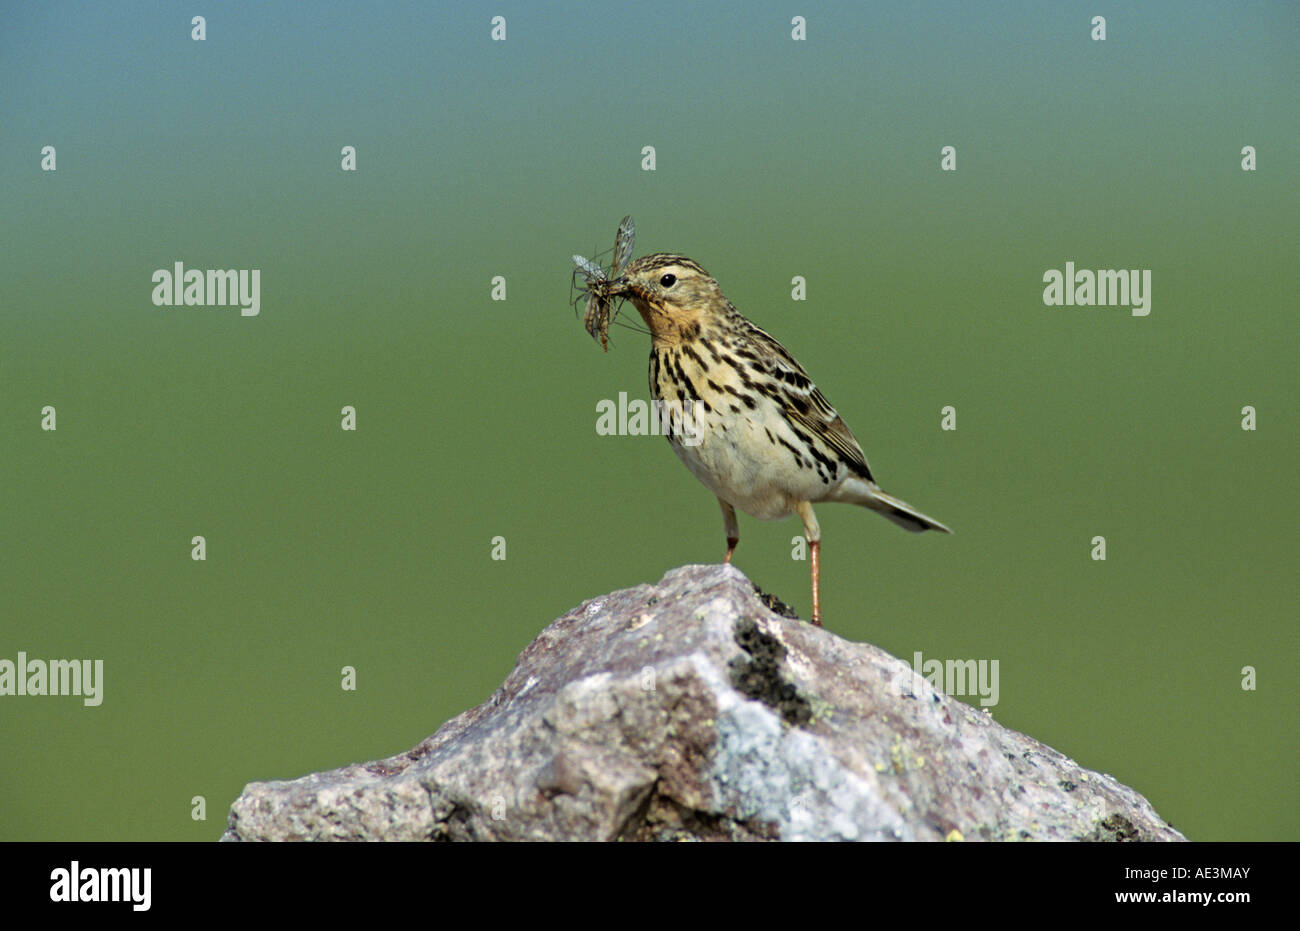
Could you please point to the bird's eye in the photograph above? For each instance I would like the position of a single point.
(668, 280)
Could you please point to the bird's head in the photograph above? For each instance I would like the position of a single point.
(675, 296)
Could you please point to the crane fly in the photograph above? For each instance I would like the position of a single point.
(598, 284)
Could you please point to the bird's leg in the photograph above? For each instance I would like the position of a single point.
(813, 534)
(816, 547)
(732, 528)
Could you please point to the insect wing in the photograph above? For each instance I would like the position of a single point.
(590, 270)
(623, 241)
(598, 318)
(594, 312)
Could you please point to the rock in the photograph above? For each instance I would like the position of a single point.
(689, 710)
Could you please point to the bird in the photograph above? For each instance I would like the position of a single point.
(764, 438)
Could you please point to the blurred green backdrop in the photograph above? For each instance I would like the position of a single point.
(477, 418)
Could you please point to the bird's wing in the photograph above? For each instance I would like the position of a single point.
(806, 407)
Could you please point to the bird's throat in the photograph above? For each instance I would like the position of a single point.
(668, 329)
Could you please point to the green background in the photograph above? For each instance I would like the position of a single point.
(477, 418)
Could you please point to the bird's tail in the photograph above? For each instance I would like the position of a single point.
(870, 495)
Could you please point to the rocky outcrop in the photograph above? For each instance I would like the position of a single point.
(692, 710)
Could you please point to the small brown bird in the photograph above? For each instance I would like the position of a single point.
(765, 438)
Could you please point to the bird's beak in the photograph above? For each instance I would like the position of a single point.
(621, 286)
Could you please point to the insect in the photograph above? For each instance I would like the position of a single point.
(598, 284)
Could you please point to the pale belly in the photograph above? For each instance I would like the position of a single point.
(735, 459)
